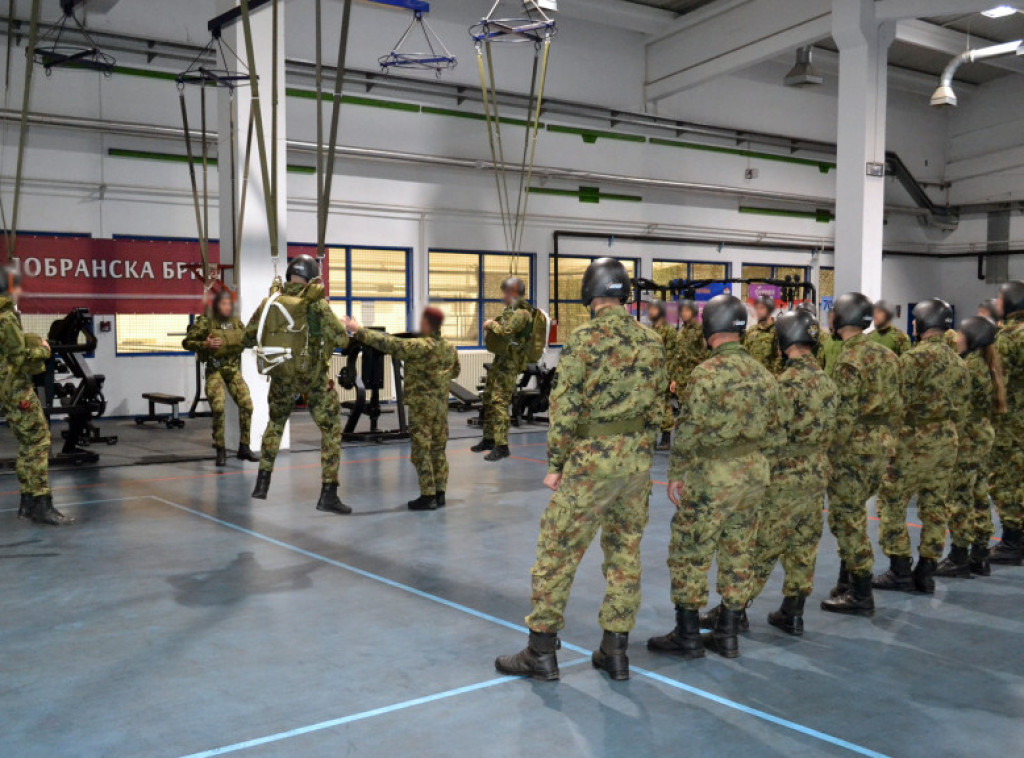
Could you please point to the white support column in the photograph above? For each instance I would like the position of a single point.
(256, 271)
(860, 198)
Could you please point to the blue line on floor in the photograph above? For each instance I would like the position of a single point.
(762, 715)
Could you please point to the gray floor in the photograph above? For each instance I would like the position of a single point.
(181, 618)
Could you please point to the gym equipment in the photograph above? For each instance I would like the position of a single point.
(434, 60)
(371, 377)
(199, 397)
(463, 400)
(58, 51)
(171, 420)
(687, 288)
(529, 402)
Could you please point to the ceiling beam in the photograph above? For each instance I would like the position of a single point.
(895, 10)
(617, 14)
(933, 37)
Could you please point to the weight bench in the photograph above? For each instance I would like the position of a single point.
(170, 420)
(464, 400)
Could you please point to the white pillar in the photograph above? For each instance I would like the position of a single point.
(256, 270)
(860, 198)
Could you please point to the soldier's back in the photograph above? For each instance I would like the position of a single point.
(734, 395)
(1010, 344)
(874, 371)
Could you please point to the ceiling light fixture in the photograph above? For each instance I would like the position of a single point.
(1000, 11)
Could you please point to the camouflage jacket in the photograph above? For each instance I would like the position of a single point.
(693, 351)
(229, 355)
(727, 405)
(829, 347)
(975, 433)
(670, 339)
(804, 425)
(326, 333)
(611, 372)
(22, 356)
(892, 338)
(1010, 344)
(760, 343)
(514, 321)
(430, 363)
(867, 376)
(936, 384)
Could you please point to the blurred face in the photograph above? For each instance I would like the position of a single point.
(689, 315)
(509, 295)
(961, 343)
(655, 314)
(762, 311)
(225, 308)
(425, 326)
(881, 318)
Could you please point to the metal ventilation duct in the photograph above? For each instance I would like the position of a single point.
(803, 73)
(944, 95)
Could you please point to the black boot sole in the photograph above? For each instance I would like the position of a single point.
(958, 572)
(685, 654)
(617, 671)
(786, 625)
(342, 511)
(981, 569)
(711, 644)
(539, 676)
(865, 612)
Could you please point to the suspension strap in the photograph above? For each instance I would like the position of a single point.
(533, 148)
(498, 139)
(498, 168)
(523, 183)
(246, 163)
(203, 252)
(324, 208)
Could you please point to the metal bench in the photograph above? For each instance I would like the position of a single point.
(170, 420)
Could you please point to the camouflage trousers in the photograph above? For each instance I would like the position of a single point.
(497, 399)
(1005, 477)
(969, 513)
(925, 457)
(857, 473)
(26, 419)
(219, 384)
(717, 519)
(668, 417)
(789, 529)
(618, 506)
(324, 407)
(428, 431)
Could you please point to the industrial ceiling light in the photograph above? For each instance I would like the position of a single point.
(1000, 11)
(803, 73)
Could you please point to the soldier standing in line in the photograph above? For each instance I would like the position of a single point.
(867, 376)
(717, 479)
(510, 330)
(989, 308)
(886, 333)
(936, 388)
(606, 409)
(216, 339)
(670, 339)
(325, 334)
(693, 350)
(969, 513)
(430, 365)
(23, 356)
(831, 345)
(1007, 461)
(760, 338)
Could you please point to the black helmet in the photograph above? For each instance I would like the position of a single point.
(887, 308)
(724, 313)
(979, 331)
(808, 307)
(1012, 295)
(690, 303)
(933, 314)
(991, 305)
(796, 328)
(853, 309)
(605, 277)
(516, 284)
(10, 277)
(304, 267)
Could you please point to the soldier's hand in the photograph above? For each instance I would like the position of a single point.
(351, 324)
(214, 343)
(672, 387)
(675, 492)
(553, 482)
(488, 324)
(45, 344)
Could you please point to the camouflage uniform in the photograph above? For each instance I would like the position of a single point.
(891, 337)
(829, 349)
(935, 390)
(605, 413)
(514, 322)
(693, 351)
(21, 357)
(970, 518)
(867, 376)
(790, 523)
(760, 343)
(223, 372)
(430, 364)
(1007, 460)
(670, 339)
(724, 415)
(326, 334)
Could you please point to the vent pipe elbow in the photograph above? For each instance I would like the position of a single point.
(944, 95)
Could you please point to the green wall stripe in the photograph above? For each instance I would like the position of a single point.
(822, 215)
(822, 166)
(586, 194)
(590, 136)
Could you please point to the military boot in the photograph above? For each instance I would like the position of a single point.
(1010, 550)
(611, 656)
(423, 503)
(684, 640)
(710, 619)
(666, 441)
(956, 565)
(856, 601)
(262, 485)
(499, 452)
(724, 638)
(440, 498)
(790, 616)
(924, 575)
(43, 512)
(330, 502)
(245, 453)
(899, 577)
(843, 583)
(538, 660)
(25, 508)
(222, 457)
(980, 565)
(483, 446)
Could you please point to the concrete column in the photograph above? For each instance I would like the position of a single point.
(860, 197)
(256, 269)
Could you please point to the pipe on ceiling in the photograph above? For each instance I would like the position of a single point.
(944, 95)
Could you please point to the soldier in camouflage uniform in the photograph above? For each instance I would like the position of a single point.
(216, 339)
(22, 356)
(885, 332)
(605, 414)
(724, 416)
(693, 350)
(831, 345)
(512, 328)
(969, 512)
(430, 364)
(867, 376)
(670, 339)
(936, 390)
(326, 334)
(760, 338)
(1007, 461)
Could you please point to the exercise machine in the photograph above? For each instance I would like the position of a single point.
(529, 402)
(368, 381)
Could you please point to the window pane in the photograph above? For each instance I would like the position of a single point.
(378, 273)
(570, 277)
(37, 323)
(795, 273)
(336, 281)
(454, 276)
(388, 314)
(141, 334)
(666, 271)
(828, 282)
(493, 310)
(339, 307)
(497, 268)
(571, 316)
(710, 270)
(755, 272)
(461, 326)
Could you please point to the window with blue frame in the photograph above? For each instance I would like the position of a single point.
(572, 313)
(466, 285)
(780, 273)
(372, 284)
(150, 333)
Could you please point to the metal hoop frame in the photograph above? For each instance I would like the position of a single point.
(536, 27)
(58, 52)
(435, 60)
